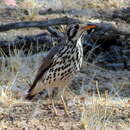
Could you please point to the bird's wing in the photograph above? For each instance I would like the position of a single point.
(47, 62)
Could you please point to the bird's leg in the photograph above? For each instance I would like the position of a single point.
(63, 101)
(52, 101)
(53, 106)
(64, 104)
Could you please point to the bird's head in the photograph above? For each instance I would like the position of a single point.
(75, 31)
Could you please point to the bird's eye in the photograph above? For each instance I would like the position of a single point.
(77, 26)
(91, 30)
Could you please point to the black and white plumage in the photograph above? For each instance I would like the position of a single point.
(62, 62)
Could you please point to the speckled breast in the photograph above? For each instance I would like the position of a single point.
(66, 64)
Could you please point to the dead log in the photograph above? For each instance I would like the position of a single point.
(117, 66)
(122, 14)
(36, 43)
(106, 14)
(75, 12)
(42, 41)
(120, 28)
(38, 24)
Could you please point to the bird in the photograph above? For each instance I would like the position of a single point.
(61, 64)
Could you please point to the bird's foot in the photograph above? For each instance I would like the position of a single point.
(59, 112)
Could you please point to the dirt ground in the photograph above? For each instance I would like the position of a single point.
(91, 105)
(97, 99)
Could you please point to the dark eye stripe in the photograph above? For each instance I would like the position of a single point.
(72, 31)
(73, 34)
(68, 32)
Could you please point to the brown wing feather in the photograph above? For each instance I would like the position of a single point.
(47, 62)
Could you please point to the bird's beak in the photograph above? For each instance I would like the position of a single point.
(88, 27)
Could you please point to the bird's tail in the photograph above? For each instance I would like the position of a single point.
(29, 95)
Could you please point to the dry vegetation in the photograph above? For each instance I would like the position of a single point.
(98, 99)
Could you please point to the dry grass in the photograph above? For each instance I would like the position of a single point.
(92, 109)
(105, 114)
(33, 7)
(103, 102)
(96, 4)
(100, 4)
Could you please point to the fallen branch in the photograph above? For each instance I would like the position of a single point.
(41, 41)
(38, 24)
(108, 14)
(55, 33)
(123, 14)
(84, 12)
(117, 66)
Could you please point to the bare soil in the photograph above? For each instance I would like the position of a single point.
(96, 99)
